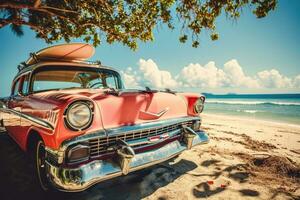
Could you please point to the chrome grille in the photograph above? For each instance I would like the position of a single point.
(100, 146)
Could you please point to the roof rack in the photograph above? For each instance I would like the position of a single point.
(22, 66)
(37, 59)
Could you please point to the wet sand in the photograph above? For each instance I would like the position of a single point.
(245, 159)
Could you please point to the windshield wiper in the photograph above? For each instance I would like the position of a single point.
(167, 90)
(149, 90)
(112, 91)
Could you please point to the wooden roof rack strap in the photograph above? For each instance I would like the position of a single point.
(34, 56)
(22, 65)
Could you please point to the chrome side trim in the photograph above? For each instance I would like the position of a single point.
(28, 117)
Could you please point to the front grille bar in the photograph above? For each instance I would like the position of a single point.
(103, 145)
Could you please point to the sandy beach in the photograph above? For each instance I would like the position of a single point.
(245, 159)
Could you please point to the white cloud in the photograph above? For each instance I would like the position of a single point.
(236, 76)
(148, 74)
(154, 76)
(273, 79)
(130, 77)
(296, 82)
(208, 76)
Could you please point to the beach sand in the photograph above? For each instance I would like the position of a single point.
(245, 159)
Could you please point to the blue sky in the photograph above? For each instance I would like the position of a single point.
(251, 56)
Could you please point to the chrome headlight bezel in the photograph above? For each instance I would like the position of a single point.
(199, 105)
(69, 122)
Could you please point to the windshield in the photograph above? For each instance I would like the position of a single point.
(58, 78)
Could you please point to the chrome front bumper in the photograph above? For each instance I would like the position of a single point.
(86, 175)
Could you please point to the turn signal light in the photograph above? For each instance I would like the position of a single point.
(78, 153)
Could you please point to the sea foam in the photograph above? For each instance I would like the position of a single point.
(254, 102)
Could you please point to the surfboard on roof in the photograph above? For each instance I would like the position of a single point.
(73, 51)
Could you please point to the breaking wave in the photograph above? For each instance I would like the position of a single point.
(250, 111)
(254, 103)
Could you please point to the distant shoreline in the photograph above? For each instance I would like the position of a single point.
(280, 108)
(262, 95)
(246, 118)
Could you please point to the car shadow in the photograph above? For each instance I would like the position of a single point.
(17, 182)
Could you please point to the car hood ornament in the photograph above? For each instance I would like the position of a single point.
(146, 115)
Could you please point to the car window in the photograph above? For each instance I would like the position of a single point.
(57, 78)
(103, 80)
(41, 85)
(111, 81)
(16, 87)
(24, 89)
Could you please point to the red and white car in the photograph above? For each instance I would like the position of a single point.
(81, 126)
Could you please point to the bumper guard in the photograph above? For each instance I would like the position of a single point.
(86, 175)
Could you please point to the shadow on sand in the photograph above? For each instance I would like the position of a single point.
(17, 182)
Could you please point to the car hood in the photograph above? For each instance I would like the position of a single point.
(125, 107)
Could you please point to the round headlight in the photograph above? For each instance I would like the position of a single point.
(199, 105)
(79, 115)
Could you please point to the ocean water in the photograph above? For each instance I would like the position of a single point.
(271, 107)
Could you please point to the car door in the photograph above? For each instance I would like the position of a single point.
(13, 122)
(26, 109)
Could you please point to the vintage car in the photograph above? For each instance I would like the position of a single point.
(81, 126)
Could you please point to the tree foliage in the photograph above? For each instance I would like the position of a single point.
(125, 21)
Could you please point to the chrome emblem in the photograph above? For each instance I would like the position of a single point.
(158, 138)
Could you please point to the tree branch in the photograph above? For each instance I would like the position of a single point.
(37, 3)
(39, 9)
(4, 22)
(19, 22)
(59, 9)
(35, 7)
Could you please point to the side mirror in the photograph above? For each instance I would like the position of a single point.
(20, 94)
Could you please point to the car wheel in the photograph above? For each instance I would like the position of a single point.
(40, 166)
